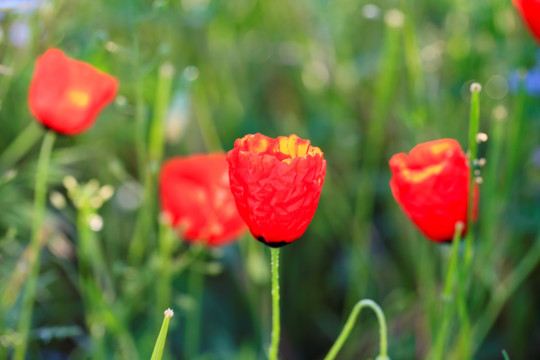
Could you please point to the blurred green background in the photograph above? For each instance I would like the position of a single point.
(362, 81)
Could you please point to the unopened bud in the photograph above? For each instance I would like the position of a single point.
(476, 87)
(481, 137)
(168, 313)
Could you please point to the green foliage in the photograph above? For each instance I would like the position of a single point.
(336, 72)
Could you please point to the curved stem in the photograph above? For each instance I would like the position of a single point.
(274, 346)
(42, 173)
(350, 324)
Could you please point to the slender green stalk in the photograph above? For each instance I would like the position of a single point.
(155, 153)
(160, 342)
(372, 152)
(383, 355)
(204, 119)
(449, 303)
(193, 318)
(517, 126)
(166, 247)
(276, 326)
(463, 313)
(20, 146)
(414, 67)
(42, 173)
(474, 124)
(91, 294)
(503, 291)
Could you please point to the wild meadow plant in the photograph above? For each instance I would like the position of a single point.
(86, 269)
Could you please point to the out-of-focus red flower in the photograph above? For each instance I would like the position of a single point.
(431, 185)
(195, 194)
(66, 95)
(530, 11)
(276, 184)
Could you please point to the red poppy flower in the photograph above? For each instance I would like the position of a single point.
(432, 186)
(195, 193)
(276, 184)
(530, 11)
(66, 95)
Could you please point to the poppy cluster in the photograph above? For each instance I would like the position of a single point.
(431, 184)
(66, 95)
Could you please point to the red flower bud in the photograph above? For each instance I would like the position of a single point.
(276, 184)
(66, 95)
(431, 185)
(530, 11)
(195, 194)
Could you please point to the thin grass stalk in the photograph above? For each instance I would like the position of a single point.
(34, 258)
(20, 146)
(414, 66)
(91, 293)
(502, 293)
(448, 295)
(372, 152)
(155, 153)
(474, 125)
(166, 248)
(157, 353)
(193, 317)
(203, 115)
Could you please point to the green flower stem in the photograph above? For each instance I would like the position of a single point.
(383, 355)
(474, 124)
(448, 293)
(152, 164)
(276, 327)
(193, 318)
(20, 146)
(42, 173)
(160, 342)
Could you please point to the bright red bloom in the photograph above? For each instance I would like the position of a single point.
(195, 193)
(530, 11)
(66, 95)
(276, 184)
(431, 185)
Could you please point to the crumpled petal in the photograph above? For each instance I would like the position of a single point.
(276, 184)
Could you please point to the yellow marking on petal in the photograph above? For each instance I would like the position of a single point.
(79, 98)
(314, 151)
(260, 146)
(287, 161)
(416, 176)
(440, 148)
